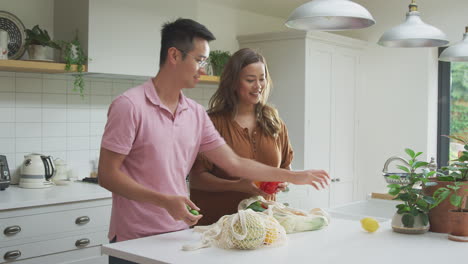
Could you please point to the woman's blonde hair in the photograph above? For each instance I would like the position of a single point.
(226, 98)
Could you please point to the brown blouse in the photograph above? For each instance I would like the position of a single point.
(275, 152)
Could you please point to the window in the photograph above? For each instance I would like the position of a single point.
(452, 108)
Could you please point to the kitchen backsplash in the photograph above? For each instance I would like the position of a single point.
(40, 113)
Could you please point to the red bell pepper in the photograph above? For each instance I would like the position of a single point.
(269, 187)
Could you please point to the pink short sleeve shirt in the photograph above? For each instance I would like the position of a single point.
(160, 150)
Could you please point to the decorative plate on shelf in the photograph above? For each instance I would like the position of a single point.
(15, 28)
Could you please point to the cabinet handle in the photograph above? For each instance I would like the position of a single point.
(13, 254)
(337, 179)
(82, 242)
(82, 220)
(333, 180)
(12, 230)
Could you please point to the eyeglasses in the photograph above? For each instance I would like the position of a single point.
(201, 62)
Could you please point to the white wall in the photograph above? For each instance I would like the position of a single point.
(227, 23)
(116, 25)
(398, 100)
(41, 113)
(396, 109)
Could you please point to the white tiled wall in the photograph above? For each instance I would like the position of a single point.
(41, 113)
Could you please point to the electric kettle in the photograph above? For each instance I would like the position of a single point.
(36, 171)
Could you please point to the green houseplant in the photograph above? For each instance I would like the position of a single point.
(73, 53)
(217, 60)
(38, 42)
(412, 214)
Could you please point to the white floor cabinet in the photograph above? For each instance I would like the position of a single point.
(69, 232)
(315, 80)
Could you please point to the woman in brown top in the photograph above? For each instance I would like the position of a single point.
(252, 128)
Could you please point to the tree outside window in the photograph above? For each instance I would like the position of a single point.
(458, 105)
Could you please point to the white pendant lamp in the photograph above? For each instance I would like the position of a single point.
(457, 52)
(330, 15)
(413, 33)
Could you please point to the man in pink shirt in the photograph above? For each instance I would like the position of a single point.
(153, 135)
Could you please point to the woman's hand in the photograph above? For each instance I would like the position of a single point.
(247, 186)
(317, 178)
(176, 206)
(282, 187)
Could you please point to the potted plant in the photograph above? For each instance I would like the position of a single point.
(450, 213)
(39, 43)
(72, 54)
(217, 60)
(412, 215)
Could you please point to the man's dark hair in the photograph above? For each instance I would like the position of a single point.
(180, 34)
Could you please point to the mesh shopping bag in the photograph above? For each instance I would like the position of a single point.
(244, 230)
(293, 220)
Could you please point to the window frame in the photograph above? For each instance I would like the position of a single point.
(443, 112)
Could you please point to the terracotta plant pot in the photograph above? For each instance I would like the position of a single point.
(438, 216)
(459, 225)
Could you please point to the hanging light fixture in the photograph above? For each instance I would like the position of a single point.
(457, 52)
(413, 33)
(330, 15)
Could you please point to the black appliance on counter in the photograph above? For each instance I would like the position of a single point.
(4, 173)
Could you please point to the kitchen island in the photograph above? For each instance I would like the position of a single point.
(343, 241)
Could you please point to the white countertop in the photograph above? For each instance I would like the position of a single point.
(15, 197)
(343, 241)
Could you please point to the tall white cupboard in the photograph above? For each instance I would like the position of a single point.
(315, 81)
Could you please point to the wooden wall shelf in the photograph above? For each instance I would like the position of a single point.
(209, 79)
(53, 67)
(34, 66)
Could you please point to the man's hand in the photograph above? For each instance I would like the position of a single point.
(317, 178)
(176, 206)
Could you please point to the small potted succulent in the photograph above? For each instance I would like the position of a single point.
(412, 215)
(39, 44)
(217, 60)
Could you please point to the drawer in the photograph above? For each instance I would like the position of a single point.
(47, 224)
(89, 255)
(28, 252)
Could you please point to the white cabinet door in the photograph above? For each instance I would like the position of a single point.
(343, 127)
(318, 136)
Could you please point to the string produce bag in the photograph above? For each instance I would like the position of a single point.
(293, 220)
(246, 229)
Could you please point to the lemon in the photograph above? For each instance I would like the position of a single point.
(369, 224)
(272, 234)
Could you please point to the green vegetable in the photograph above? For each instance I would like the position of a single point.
(192, 211)
(256, 206)
(298, 223)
